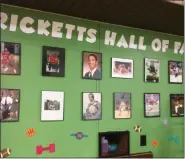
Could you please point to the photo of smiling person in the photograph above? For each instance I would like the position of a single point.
(92, 63)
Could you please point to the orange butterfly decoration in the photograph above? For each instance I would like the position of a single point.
(30, 132)
(155, 143)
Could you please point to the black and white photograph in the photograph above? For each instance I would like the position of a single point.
(92, 65)
(52, 108)
(10, 105)
(53, 61)
(152, 70)
(122, 68)
(92, 109)
(175, 72)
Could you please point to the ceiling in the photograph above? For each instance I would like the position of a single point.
(156, 15)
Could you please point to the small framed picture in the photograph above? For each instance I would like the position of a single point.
(92, 65)
(52, 108)
(152, 70)
(53, 61)
(122, 105)
(122, 68)
(92, 109)
(10, 105)
(10, 58)
(175, 72)
(152, 104)
(177, 105)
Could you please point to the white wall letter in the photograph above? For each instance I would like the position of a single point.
(182, 49)
(42, 27)
(177, 46)
(13, 22)
(110, 39)
(165, 44)
(70, 29)
(131, 44)
(56, 29)
(81, 31)
(141, 45)
(4, 18)
(23, 25)
(156, 44)
(91, 35)
(122, 42)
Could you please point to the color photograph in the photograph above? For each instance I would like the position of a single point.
(122, 105)
(92, 106)
(53, 61)
(122, 68)
(152, 70)
(52, 108)
(152, 105)
(92, 65)
(10, 105)
(175, 74)
(177, 105)
(10, 58)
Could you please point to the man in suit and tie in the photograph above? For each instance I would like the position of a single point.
(94, 72)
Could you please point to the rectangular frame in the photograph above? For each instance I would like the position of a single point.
(96, 104)
(10, 111)
(151, 102)
(97, 74)
(56, 114)
(12, 57)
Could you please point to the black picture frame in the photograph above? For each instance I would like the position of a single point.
(152, 102)
(7, 112)
(57, 61)
(173, 98)
(97, 75)
(100, 102)
(114, 103)
(15, 60)
(169, 72)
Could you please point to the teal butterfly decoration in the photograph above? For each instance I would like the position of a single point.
(176, 139)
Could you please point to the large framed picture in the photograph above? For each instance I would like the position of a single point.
(122, 68)
(92, 65)
(122, 105)
(53, 61)
(10, 58)
(10, 105)
(152, 70)
(175, 72)
(92, 109)
(152, 104)
(177, 105)
(52, 108)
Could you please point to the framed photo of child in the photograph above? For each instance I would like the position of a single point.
(177, 105)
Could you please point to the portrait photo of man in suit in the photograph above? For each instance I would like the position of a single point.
(92, 66)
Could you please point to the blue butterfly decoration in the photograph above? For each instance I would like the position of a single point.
(176, 139)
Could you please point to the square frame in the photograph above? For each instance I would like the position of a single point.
(152, 102)
(16, 111)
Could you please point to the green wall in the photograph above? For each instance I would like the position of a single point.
(31, 83)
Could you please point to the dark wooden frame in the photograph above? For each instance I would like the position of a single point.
(114, 105)
(82, 107)
(20, 54)
(145, 106)
(7, 121)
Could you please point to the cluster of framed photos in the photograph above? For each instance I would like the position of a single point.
(53, 64)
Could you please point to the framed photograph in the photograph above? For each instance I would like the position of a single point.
(53, 61)
(92, 65)
(52, 108)
(92, 109)
(177, 105)
(10, 58)
(175, 72)
(152, 70)
(122, 105)
(10, 105)
(122, 68)
(152, 104)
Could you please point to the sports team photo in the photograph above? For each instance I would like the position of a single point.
(10, 105)
(175, 72)
(152, 105)
(10, 58)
